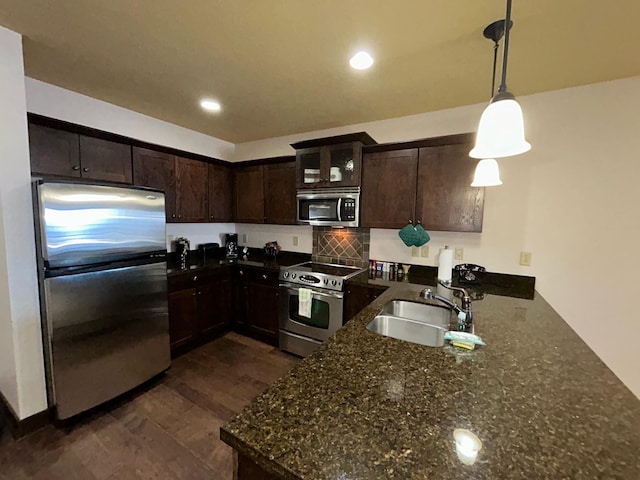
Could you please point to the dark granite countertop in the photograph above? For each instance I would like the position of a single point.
(255, 259)
(365, 406)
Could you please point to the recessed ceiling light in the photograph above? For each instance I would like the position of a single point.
(361, 60)
(210, 105)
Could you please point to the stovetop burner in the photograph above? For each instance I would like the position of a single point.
(321, 275)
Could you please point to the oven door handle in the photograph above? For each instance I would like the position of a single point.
(339, 208)
(313, 290)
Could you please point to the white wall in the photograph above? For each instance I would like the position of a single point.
(258, 235)
(55, 102)
(198, 233)
(21, 360)
(571, 201)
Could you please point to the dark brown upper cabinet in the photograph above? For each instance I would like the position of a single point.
(156, 170)
(192, 190)
(220, 193)
(54, 152)
(429, 185)
(105, 160)
(280, 193)
(445, 200)
(249, 194)
(388, 194)
(184, 181)
(330, 162)
(59, 153)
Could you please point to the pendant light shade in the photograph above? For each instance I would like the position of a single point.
(487, 174)
(501, 129)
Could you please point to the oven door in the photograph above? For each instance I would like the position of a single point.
(326, 312)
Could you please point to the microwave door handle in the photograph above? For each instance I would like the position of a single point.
(339, 208)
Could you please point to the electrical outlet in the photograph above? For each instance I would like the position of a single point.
(415, 252)
(295, 240)
(525, 259)
(424, 251)
(458, 254)
(244, 239)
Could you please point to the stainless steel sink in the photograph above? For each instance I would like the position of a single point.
(438, 315)
(408, 330)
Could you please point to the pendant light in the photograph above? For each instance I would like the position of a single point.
(501, 129)
(487, 172)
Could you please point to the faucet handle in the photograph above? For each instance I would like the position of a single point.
(426, 294)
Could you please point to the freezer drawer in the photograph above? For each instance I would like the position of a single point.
(108, 331)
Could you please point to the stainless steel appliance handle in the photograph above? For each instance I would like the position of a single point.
(339, 208)
(294, 289)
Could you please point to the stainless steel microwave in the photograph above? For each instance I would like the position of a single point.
(330, 207)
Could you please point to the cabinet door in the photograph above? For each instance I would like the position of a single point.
(214, 305)
(280, 193)
(192, 190)
(156, 170)
(183, 320)
(356, 298)
(220, 193)
(309, 171)
(105, 160)
(240, 297)
(445, 200)
(54, 152)
(389, 188)
(262, 310)
(344, 162)
(249, 193)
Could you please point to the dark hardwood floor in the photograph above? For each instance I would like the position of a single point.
(168, 431)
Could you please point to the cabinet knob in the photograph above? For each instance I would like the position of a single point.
(241, 272)
(195, 277)
(85, 169)
(75, 167)
(211, 217)
(194, 294)
(173, 215)
(179, 216)
(264, 276)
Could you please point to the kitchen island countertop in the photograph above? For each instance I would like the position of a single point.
(365, 406)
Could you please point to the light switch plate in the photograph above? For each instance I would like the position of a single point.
(415, 251)
(295, 240)
(424, 251)
(244, 239)
(458, 254)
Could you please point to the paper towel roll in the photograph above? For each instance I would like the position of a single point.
(445, 264)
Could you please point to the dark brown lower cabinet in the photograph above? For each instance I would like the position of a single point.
(199, 308)
(214, 305)
(357, 297)
(247, 469)
(183, 320)
(256, 302)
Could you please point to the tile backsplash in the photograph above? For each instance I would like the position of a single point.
(341, 246)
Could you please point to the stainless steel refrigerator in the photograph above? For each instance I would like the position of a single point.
(103, 290)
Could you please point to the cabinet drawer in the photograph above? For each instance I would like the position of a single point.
(257, 275)
(183, 281)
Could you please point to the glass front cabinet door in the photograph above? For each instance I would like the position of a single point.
(329, 166)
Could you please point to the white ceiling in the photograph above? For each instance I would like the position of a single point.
(281, 66)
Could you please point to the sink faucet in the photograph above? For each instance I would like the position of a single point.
(465, 315)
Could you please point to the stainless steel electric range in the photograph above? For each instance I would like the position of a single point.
(300, 334)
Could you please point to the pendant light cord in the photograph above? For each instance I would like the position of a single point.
(503, 85)
(493, 77)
